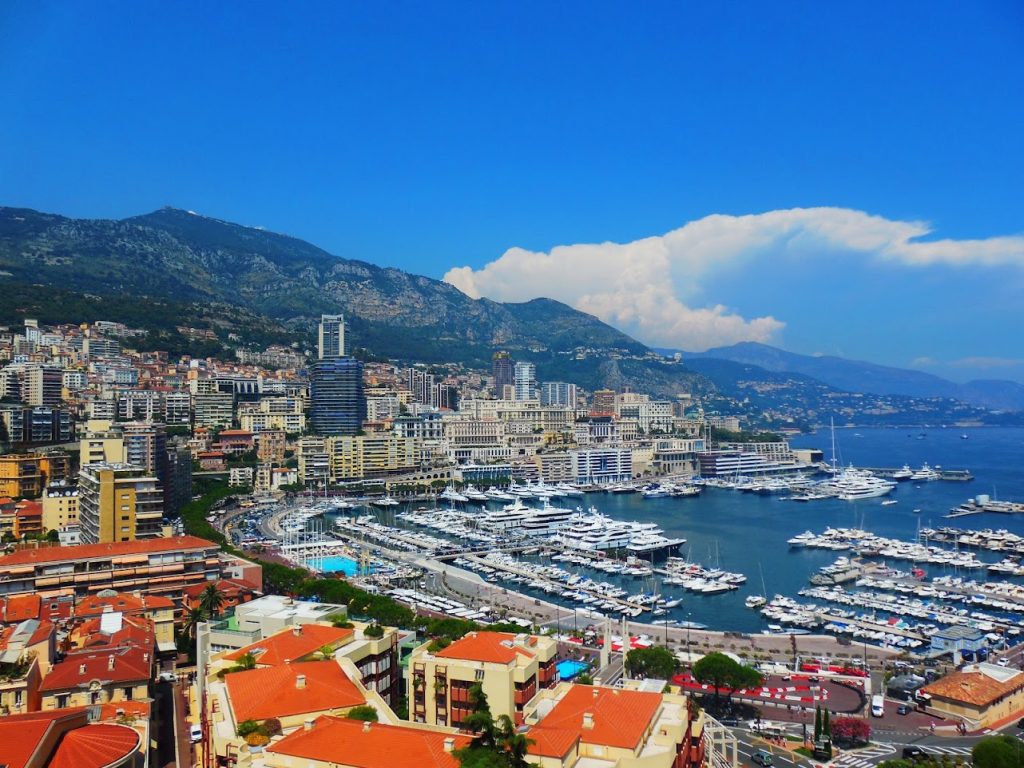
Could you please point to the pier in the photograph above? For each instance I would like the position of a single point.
(953, 475)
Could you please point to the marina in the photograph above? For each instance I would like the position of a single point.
(729, 531)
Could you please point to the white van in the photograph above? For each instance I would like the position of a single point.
(195, 734)
(877, 705)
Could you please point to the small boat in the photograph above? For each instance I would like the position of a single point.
(889, 502)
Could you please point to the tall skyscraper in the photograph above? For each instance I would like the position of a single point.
(332, 336)
(525, 381)
(503, 370)
(338, 405)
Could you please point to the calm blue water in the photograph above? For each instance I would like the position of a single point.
(748, 533)
(568, 669)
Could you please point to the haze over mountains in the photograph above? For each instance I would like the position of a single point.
(860, 376)
(172, 267)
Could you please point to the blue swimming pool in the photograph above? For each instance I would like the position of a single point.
(333, 564)
(567, 669)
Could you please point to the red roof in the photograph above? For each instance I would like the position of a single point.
(95, 746)
(370, 745)
(494, 647)
(44, 555)
(227, 587)
(618, 718)
(20, 735)
(93, 605)
(131, 665)
(19, 607)
(258, 694)
(134, 631)
(289, 645)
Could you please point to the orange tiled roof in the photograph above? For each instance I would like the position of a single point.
(338, 740)
(44, 555)
(20, 735)
(258, 694)
(227, 587)
(494, 647)
(287, 645)
(19, 607)
(94, 605)
(95, 746)
(973, 687)
(620, 719)
(135, 631)
(131, 665)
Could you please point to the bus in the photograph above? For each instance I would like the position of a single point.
(877, 705)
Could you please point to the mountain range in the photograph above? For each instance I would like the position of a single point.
(196, 270)
(174, 268)
(860, 376)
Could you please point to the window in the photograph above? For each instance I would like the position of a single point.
(128, 692)
(479, 674)
(62, 701)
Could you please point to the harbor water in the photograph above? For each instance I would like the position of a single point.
(748, 533)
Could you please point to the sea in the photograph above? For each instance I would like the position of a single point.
(748, 533)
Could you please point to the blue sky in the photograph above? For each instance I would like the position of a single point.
(433, 136)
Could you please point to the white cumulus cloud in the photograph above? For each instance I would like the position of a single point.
(651, 287)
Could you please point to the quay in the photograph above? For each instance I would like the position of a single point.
(828, 618)
(953, 475)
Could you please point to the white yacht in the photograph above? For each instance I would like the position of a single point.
(903, 473)
(647, 544)
(851, 484)
(384, 501)
(450, 494)
(508, 519)
(474, 494)
(925, 474)
(494, 494)
(546, 520)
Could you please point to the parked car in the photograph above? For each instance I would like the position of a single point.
(1003, 662)
(903, 709)
(195, 734)
(762, 757)
(913, 753)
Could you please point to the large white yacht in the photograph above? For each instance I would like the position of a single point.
(851, 484)
(547, 519)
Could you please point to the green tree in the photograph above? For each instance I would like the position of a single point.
(998, 752)
(246, 661)
(247, 727)
(721, 671)
(817, 723)
(193, 619)
(654, 662)
(583, 679)
(364, 712)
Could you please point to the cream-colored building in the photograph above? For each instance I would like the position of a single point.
(279, 413)
(511, 668)
(984, 695)
(575, 725)
(354, 457)
(107, 676)
(60, 507)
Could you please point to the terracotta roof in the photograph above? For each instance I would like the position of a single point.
(134, 631)
(289, 645)
(20, 735)
(126, 603)
(619, 719)
(257, 694)
(19, 607)
(494, 647)
(131, 665)
(976, 687)
(92, 551)
(95, 746)
(351, 742)
(227, 587)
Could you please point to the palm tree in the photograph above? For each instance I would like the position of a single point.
(211, 600)
(193, 619)
(246, 661)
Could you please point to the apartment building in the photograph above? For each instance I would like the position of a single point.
(279, 413)
(575, 725)
(25, 475)
(314, 461)
(368, 456)
(511, 668)
(601, 466)
(270, 445)
(162, 566)
(119, 502)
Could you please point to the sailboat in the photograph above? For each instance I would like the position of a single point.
(756, 601)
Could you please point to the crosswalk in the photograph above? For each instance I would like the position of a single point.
(877, 752)
(863, 758)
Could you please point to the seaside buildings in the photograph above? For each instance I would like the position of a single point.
(118, 502)
(337, 403)
(331, 336)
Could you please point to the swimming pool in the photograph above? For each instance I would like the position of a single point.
(567, 669)
(333, 564)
